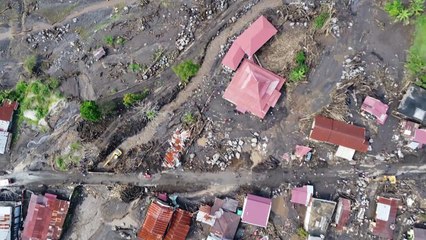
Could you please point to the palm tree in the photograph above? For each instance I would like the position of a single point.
(404, 16)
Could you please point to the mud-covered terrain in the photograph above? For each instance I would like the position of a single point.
(103, 50)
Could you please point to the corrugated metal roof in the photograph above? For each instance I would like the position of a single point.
(413, 104)
(233, 57)
(382, 228)
(339, 133)
(255, 36)
(45, 218)
(180, 225)
(226, 226)
(4, 139)
(343, 213)
(254, 89)
(420, 136)
(256, 210)
(302, 195)
(6, 111)
(157, 220)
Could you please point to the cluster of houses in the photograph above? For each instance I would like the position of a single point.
(44, 219)
(7, 109)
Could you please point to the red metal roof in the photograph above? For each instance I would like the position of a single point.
(420, 136)
(45, 218)
(256, 210)
(376, 108)
(339, 133)
(180, 225)
(254, 89)
(233, 57)
(343, 213)
(301, 151)
(157, 220)
(384, 228)
(226, 225)
(255, 36)
(6, 111)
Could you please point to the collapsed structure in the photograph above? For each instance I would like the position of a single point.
(376, 108)
(413, 105)
(7, 110)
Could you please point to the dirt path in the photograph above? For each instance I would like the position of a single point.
(210, 56)
(38, 26)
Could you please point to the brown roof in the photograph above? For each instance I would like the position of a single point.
(339, 133)
(45, 218)
(180, 225)
(156, 222)
(226, 226)
(384, 228)
(6, 110)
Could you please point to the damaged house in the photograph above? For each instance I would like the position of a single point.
(413, 105)
(318, 216)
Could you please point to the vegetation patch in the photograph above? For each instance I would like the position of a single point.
(301, 70)
(35, 98)
(401, 13)
(321, 19)
(130, 99)
(186, 70)
(90, 111)
(30, 64)
(189, 118)
(70, 159)
(416, 60)
(151, 114)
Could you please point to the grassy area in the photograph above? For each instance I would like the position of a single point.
(416, 60)
(299, 72)
(66, 161)
(106, 23)
(57, 14)
(321, 19)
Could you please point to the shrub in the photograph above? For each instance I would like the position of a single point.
(417, 7)
(119, 40)
(60, 164)
(134, 67)
(131, 98)
(151, 114)
(404, 16)
(300, 57)
(89, 110)
(53, 83)
(186, 70)
(394, 8)
(109, 40)
(320, 20)
(30, 64)
(301, 232)
(298, 73)
(189, 118)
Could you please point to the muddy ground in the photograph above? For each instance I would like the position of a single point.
(159, 34)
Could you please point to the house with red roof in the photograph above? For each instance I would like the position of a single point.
(343, 213)
(256, 210)
(156, 222)
(254, 89)
(179, 226)
(376, 108)
(386, 211)
(249, 42)
(45, 218)
(348, 137)
(6, 114)
(302, 195)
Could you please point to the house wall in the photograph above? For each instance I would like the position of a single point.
(4, 125)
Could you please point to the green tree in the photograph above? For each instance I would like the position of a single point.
(89, 110)
(30, 64)
(186, 70)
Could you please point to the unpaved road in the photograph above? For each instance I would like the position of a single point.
(210, 57)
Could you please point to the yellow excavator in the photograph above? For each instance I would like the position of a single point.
(115, 155)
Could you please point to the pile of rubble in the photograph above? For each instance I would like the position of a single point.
(233, 149)
(186, 35)
(177, 145)
(55, 34)
(353, 67)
